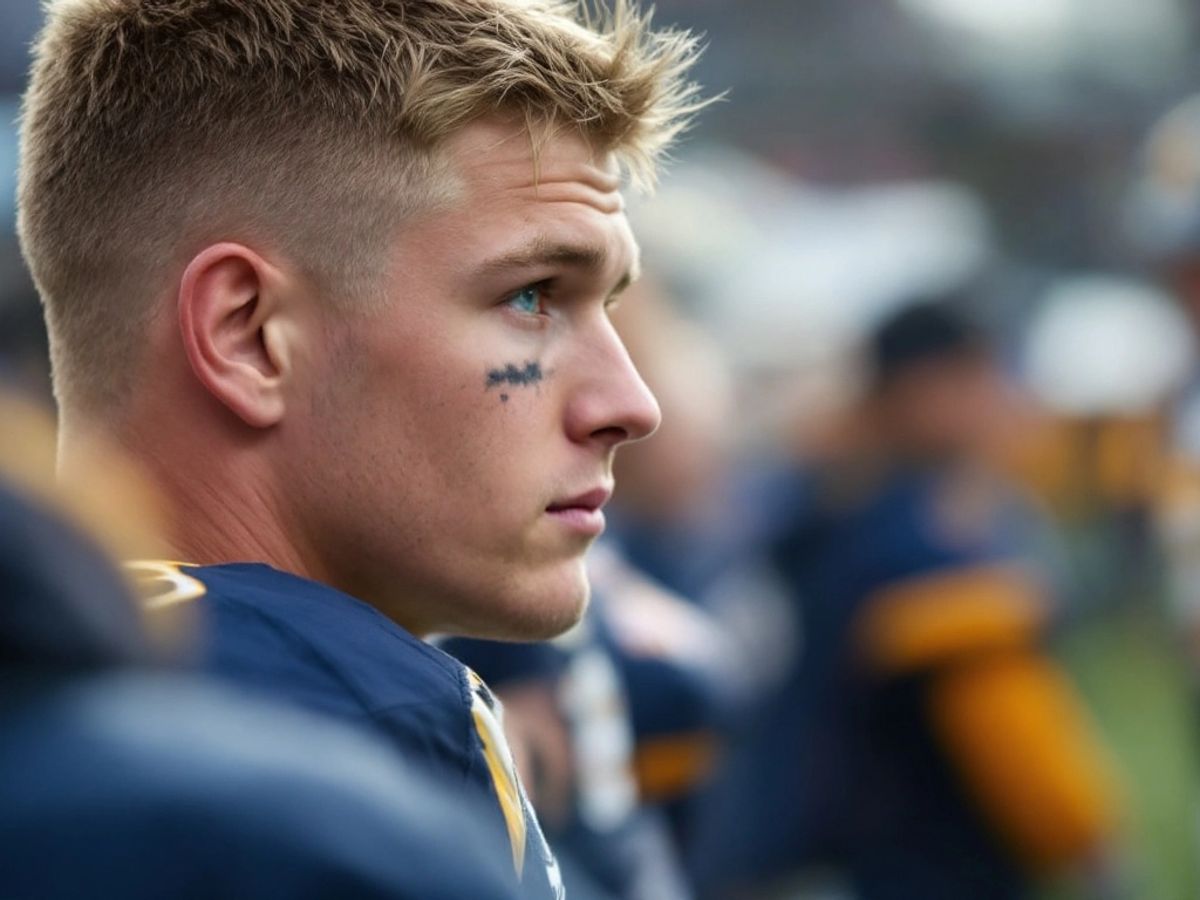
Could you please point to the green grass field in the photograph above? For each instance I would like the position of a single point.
(1129, 670)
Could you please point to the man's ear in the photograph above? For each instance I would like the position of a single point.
(231, 321)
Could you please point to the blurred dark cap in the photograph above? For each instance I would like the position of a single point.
(918, 333)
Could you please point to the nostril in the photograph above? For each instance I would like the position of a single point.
(612, 435)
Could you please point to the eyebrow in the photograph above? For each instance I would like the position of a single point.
(543, 252)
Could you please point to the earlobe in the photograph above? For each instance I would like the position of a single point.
(228, 304)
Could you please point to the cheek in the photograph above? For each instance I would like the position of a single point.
(459, 435)
(460, 408)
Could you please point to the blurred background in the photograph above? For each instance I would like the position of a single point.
(1010, 163)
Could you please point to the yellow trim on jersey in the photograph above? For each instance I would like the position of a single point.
(668, 767)
(1016, 732)
(500, 765)
(179, 587)
(927, 620)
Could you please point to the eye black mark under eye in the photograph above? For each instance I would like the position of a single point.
(518, 376)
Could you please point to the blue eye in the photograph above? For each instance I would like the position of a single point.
(528, 300)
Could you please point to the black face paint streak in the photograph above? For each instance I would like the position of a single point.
(531, 373)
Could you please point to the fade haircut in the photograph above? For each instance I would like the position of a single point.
(154, 127)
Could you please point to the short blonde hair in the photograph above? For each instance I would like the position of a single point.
(152, 127)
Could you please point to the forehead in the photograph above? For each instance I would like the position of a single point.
(503, 193)
(498, 154)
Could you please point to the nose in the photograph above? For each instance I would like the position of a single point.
(612, 404)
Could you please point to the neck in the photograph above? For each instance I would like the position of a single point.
(220, 499)
(213, 522)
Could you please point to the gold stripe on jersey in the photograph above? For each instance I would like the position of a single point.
(500, 765)
(163, 583)
(929, 619)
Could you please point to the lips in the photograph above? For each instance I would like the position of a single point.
(591, 500)
(582, 513)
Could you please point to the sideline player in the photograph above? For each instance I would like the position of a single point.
(939, 751)
(338, 275)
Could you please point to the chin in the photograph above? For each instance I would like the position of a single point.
(538, 607)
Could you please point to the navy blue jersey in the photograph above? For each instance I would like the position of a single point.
(924, 611)
(841, 765)
(879, 795)
(285, 636)
(610, 846)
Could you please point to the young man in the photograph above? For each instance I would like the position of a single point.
(339, 274)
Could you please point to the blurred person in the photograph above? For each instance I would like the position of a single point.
(692, 591)
(122, 777)
(926, 746)
(674, 661)
(338, 275)
(1102, 357)
(1164, 226)
(689, 524)
(673, 487)
(690, 513)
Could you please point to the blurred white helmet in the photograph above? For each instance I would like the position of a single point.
(1104, 346)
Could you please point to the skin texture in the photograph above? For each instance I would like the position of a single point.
(409, 455)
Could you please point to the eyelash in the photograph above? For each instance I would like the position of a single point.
(544, 292)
